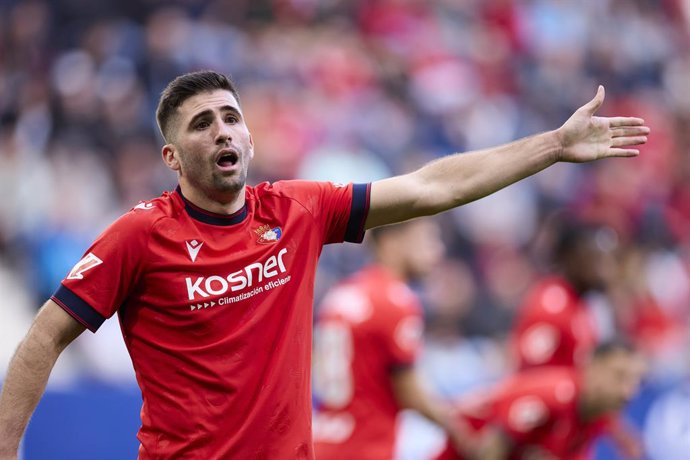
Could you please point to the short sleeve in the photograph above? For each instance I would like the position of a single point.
(340, 210)
(100, 282)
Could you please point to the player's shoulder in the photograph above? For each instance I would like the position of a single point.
(555, 385)
(392, 296)
(551, 296)
(146, 213)
(295, 188)
(285, 188)
(349, 300)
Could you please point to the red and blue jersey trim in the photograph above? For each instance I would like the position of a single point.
(358, 213)
(78, 308)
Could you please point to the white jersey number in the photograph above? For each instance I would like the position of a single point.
(333, 354)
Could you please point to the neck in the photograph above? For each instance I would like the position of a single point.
(226, 203)
(587, 406)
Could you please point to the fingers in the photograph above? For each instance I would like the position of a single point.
(631, 140)
(628, 132)
(614, 152)
(592, 106)
(616, 122)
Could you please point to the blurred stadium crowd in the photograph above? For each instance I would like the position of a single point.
(355, 90)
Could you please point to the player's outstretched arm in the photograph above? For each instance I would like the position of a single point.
(52, 330)
(462, 178)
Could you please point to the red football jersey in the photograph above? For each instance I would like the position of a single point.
(367, 326)
(537, 410)
(216, 312)
(554, 326)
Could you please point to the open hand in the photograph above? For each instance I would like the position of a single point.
(585, 137)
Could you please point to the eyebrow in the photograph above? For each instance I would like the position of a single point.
(207, 112)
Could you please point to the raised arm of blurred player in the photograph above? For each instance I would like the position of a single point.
(52, 330)
(411, 395)
(461, 178)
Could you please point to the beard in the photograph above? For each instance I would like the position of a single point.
(233, 184)
(212, 182)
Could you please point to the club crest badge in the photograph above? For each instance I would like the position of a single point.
(268, 235)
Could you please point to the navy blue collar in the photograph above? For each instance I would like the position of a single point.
(212, 218)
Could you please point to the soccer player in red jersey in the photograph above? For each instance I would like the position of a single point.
(213, 282)
(366, 341)
(554, 326)
(553, 412)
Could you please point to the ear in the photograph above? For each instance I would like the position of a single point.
(169, 154)
(251, 145)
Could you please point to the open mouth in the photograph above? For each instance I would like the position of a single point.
(228, 158)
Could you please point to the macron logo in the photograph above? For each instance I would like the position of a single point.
(193, 248)
(87, 263)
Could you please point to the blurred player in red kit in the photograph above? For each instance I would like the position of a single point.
(366, 341)
(554, 325)
(553, 412)
(213, 282)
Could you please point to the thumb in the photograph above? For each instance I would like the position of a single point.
(592, 106)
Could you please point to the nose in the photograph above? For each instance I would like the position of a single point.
(223, 133)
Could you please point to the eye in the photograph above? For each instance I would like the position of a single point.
(231, 119)
(202, 125)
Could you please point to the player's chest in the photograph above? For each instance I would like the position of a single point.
(192, 245)
(199, 266)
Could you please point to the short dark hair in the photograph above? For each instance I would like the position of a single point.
(571, 233)
(612, 345)
(184, 87)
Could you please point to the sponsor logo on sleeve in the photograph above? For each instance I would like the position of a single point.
(144, 205)
(87, 263)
